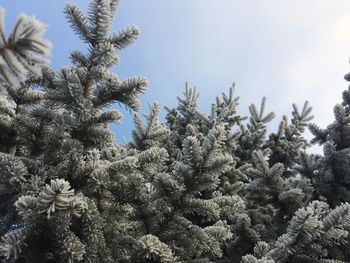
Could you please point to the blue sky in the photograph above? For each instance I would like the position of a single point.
(288, 51)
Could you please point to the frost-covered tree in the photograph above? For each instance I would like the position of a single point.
(318, 232)
(175, 195)
(270, 196)
(56, 166)
(315, 234)
(273, 190)
(21, 55)
(330, 172)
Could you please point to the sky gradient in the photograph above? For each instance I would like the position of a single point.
(288, 51)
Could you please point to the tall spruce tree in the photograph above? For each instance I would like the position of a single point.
(59, 153)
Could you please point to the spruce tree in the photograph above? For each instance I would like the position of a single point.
(65, 143)
(330, 172)
(180, 209)
(319, 231)
(316, 234)
(269, 196)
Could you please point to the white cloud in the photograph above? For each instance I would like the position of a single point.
(316, 72)
(289, 51)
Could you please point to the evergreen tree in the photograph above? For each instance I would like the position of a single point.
(270, 195)
(181, 210)
(330, 172)
(65, 132)
(22, 54)
(316, 233)
(275, 190)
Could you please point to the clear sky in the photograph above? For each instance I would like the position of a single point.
(288, 51)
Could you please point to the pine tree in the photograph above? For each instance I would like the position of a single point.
(51, 171)
(316, 233)
(181, 211)
(270, 195)
(330, 172)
